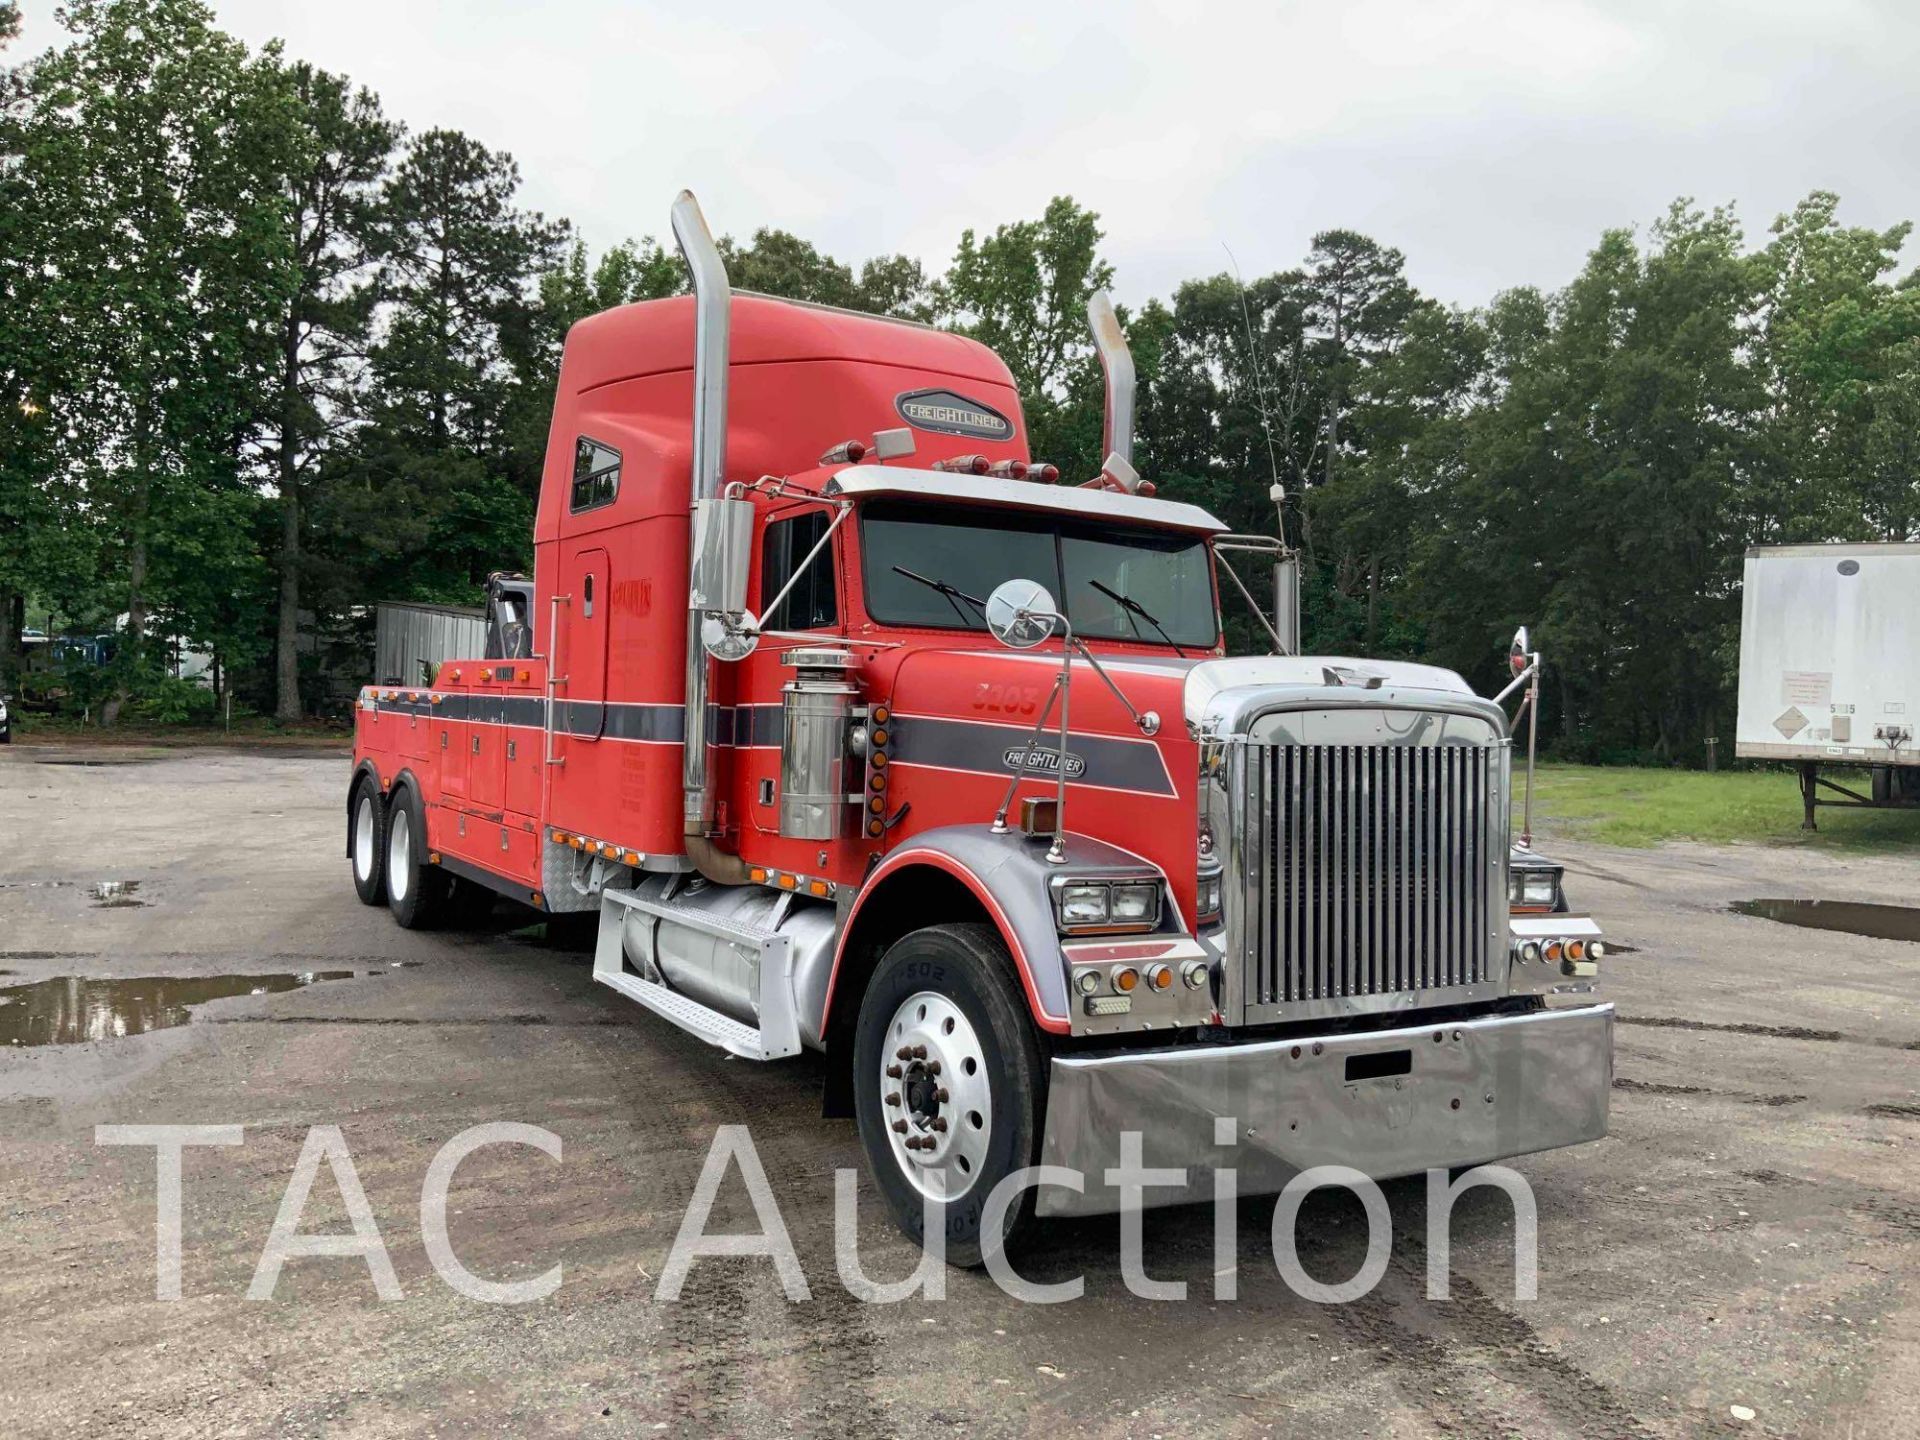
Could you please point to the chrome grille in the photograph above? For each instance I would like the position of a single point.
(1372, 870)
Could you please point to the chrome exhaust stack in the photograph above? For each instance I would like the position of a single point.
(1116, 361)
(713, 306)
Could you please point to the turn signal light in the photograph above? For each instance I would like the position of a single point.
(881, 714)
(1553, 952)
(1125, 981)
(876, 829)
(1160, 977)
(1576, 949)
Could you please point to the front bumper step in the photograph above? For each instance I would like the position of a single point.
(1385, 1103)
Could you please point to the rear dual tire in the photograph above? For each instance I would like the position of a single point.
(367, 841)
(417, 892)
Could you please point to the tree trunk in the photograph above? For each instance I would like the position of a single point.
(1373, 600)
(287, 641)
(13, 619)
(133, 640)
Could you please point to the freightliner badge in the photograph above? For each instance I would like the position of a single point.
(946, 413)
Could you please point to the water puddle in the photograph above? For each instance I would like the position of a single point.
(1851, 917)
(71, 1008)
(116, 894)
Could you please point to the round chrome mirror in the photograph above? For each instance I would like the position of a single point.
(1517, 652)
(1020, 613)
(729, 637)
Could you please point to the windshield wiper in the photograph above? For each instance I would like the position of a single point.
(951, 594)
(1134, 607)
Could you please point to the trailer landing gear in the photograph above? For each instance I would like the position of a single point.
(1894, 787)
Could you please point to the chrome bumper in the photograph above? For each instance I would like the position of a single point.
(1469, 1092)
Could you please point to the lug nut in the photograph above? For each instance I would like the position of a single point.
(919, 1052)
(900, 1128)
(941, 1095)
(894, 1072)
(933, 1067)
(940, 1124)
(905, 1052)
(893, 1099)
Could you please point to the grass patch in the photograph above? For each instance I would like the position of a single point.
(1621, 805)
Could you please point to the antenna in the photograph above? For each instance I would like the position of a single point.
(1260, 393)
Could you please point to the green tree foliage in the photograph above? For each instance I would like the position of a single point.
(1023, 292)
(261, 365)
(150, 222)
(436, 492)
(331, 188)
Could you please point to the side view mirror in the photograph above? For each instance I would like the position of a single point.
(1518, 652)
(1020, 613)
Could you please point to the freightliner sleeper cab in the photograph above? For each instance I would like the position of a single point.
(860, 734)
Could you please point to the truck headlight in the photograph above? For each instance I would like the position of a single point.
(1135, 903)
(1208, 902)
(1107, 905)
(1534, 887)
(1084, 902)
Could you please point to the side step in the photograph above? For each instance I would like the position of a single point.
(779, 1032)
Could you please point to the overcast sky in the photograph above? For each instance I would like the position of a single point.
(1490, 141)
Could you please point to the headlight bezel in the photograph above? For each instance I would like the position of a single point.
(1089, 904)
(1534, 887)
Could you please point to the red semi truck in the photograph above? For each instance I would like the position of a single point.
(861, 734)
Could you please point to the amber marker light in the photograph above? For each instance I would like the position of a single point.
(1160, 977)
(1126, 980)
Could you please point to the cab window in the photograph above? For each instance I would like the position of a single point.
(811, 605)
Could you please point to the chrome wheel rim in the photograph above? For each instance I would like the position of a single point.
(399, 855)
(363, 859)
(936, 1101)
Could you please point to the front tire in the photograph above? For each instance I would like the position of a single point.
(367, 841)
(949, 1085)
(416, 891)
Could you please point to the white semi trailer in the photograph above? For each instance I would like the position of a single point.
(1830, 668)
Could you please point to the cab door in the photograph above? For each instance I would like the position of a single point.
(588, 582)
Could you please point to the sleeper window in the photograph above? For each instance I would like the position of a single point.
(596, 474)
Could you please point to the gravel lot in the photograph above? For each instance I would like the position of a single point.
(1745, 1238)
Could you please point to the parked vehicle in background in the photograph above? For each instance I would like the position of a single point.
(1830, 668)
(411, 638)
(941, 768)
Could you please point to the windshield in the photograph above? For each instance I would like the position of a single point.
(929, 565)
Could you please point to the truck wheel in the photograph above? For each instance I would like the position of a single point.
(416, 891)
(948, 1081)
(368, 817)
